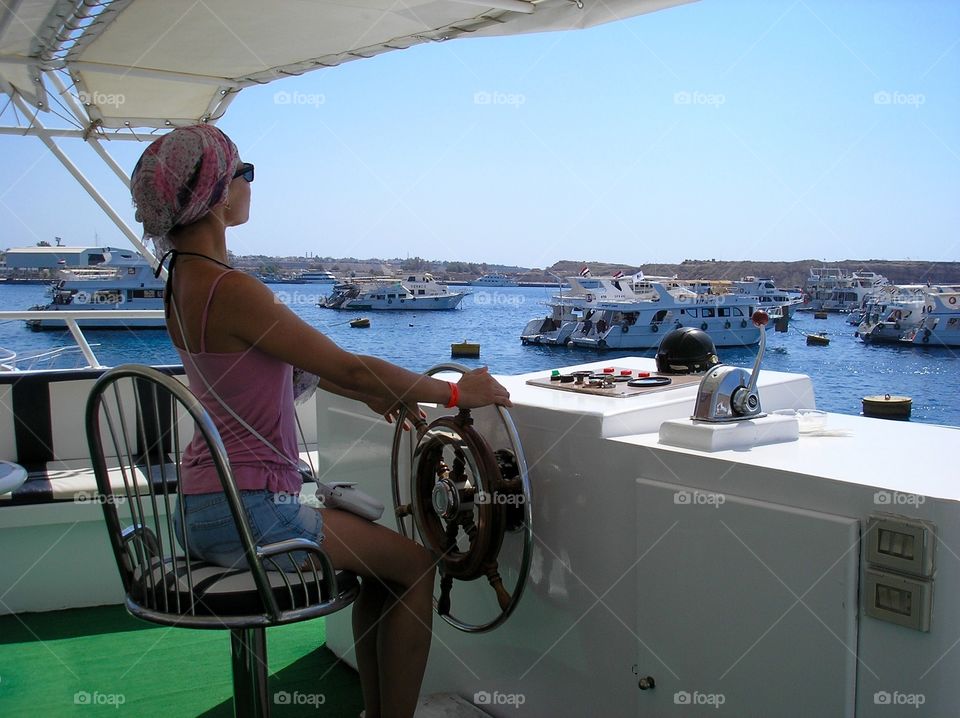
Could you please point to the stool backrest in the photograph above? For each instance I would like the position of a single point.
(138, 421)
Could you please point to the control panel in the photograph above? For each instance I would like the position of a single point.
(613, 381)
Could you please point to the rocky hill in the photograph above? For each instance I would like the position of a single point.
(784, 274)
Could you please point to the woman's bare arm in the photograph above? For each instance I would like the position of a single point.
(257, 318)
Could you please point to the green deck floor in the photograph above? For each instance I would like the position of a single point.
(100, 661)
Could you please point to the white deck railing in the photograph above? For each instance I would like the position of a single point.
(70, 319)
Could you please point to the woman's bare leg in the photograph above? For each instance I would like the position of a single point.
(402, 626)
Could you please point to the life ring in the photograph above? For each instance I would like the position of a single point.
(81, 297)
(704, 326)
(953, 300)
(624, 328)
(389, 301)
(926, 339)
(654, 328)
(589, 297)
(743, 323)
(726, 324)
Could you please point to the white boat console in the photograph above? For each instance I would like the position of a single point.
(810, 577)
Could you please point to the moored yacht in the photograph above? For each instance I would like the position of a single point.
(416, 292)
(634, 313)
(320, 277)
(768, 295)
(495, 279)
(891, 313)
(124, 281)
(940, 323)
(640, 324)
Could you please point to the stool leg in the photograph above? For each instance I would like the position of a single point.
(248, 659)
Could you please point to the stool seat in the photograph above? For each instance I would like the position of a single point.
(12, 476)
(228, 592)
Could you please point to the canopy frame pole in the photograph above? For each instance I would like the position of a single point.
(78, 112)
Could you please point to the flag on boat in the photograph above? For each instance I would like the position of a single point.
(585, 271)
(618, 274)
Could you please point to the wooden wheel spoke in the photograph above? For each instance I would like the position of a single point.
(451, 534)
(443, 603)
(496, 582)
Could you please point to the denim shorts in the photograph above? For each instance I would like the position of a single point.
(272, 517)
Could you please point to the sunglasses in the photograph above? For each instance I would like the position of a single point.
(245, 170)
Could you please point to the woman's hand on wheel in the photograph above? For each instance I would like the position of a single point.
(478, 388)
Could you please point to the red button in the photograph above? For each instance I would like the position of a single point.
(642, 374)
(625, 372)
(608, 370)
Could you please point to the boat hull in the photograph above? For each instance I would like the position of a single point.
(648, 336)
(450, 301)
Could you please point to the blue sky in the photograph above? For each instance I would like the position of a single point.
(772, 130)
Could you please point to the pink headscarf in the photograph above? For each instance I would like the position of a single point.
(180, 177)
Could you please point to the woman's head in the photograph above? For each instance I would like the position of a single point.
(184, 174)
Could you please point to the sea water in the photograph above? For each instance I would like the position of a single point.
(842, 373)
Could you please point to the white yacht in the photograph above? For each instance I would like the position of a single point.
(643, 563)
(768, 295)
(415, 292)
(850, 293)
(317, 278)
(640, 324)
(585, 295)
(891, 313)
(495, 279)
(604, 313)
(124, 281)
(940, 323)
(820, 285)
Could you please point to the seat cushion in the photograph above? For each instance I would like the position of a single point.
(222, 591)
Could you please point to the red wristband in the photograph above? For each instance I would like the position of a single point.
(454, 395)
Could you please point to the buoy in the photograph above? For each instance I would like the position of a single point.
(465, 349)
(887, 406)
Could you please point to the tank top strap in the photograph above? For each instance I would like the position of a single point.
(206, 310)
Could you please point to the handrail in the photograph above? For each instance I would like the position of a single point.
(70, 317)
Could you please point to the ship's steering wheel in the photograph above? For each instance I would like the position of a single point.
(460, 494)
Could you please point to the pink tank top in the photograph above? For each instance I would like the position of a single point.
(258, 388)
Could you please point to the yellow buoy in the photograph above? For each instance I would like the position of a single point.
(465, 349)
(887, 406)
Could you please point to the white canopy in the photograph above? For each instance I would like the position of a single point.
(157, 63)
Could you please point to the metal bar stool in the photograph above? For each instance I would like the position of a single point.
(138, 422)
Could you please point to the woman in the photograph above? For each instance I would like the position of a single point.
(238, 346)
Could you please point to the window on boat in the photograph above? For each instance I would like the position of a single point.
(708, 312)
(421, 291)
(95, 259)
(391, 296)
(737, 312)
(661, 315)
(411, 279)
(724, 311)
(691, 312)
